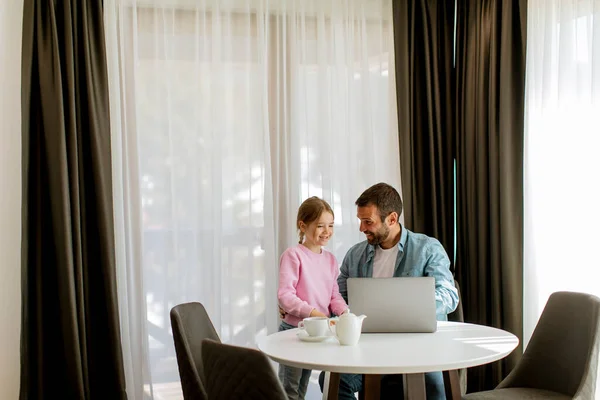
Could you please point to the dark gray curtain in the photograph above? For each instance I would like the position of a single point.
(490, 67)
(423, 40)
(70, 325)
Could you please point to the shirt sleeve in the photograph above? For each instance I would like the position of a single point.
(289, 271)
(337, 303)
(438, 266)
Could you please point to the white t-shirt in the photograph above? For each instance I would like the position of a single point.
(384, 262)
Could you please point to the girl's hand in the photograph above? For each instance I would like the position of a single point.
(317, 313)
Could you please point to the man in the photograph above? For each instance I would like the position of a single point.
(393, 251)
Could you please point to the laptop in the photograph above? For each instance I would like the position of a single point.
(394, 305)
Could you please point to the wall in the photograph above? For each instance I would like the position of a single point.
(11, 12)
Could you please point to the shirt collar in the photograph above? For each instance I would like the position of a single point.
(403, 238)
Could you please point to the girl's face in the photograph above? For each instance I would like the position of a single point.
(318, 232)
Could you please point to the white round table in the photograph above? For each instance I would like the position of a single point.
(453, 346)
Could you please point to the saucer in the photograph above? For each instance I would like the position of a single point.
(305, 337)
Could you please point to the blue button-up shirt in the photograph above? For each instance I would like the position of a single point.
(418, 255)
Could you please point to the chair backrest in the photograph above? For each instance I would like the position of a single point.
(233, 372)
(457, 315)
(191, 324)
(562, 355)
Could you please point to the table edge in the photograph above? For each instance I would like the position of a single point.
(394, 370)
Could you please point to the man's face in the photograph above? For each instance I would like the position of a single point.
(371, 225)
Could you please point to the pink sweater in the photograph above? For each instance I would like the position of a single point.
(308, 280)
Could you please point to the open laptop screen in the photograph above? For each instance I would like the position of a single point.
(394, 305)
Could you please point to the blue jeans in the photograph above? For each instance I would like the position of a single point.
(294, 380)
(392, 386)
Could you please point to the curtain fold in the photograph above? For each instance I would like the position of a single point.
(490, 68)
(70, 344)
(423, 42)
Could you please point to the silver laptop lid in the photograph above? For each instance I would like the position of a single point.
(394, 305)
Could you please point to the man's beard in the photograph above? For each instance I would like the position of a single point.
(379, 236)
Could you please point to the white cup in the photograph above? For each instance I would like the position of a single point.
(315, 326)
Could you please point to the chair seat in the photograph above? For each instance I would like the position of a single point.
(516, 393)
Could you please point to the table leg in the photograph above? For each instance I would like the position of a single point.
(331, 385)
(452, 384)
(414, 387)
(371, 387)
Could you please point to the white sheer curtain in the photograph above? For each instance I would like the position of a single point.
(562, 152)
(225, 116)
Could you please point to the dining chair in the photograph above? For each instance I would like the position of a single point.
(459, 316)
(561, 360)
(191, 324)
(233, 372)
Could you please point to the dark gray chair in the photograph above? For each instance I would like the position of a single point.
(233, 372)
(191, 324)
(459, 316)
(561, 360)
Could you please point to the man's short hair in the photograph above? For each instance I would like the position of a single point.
(384, 197)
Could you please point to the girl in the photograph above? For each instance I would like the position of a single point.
(308, 282)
